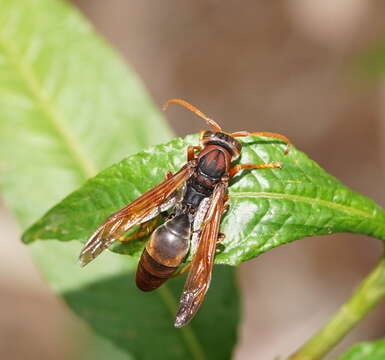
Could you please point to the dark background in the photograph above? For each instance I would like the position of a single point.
(283, 66)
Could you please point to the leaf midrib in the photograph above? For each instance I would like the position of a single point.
(314, 201)
(186, 331)
(85, 166)
(269, 195)
(56, 118)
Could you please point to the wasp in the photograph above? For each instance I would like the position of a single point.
(196, 197)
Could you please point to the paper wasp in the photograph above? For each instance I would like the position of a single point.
(193, 224)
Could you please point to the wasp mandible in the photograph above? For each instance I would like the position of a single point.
(196, 197)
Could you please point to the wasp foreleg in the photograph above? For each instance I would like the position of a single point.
(191, 152)
(272, 165)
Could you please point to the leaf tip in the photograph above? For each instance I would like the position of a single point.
(27, 237)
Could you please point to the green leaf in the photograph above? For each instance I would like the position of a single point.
(66, 95)
(68, 108)
(365, 351)
(267, 207)
(104, 294)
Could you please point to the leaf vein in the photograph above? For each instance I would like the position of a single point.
(86, 167)
(270, 195)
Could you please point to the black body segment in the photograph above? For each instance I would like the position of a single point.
(212, 165)
(195, 192)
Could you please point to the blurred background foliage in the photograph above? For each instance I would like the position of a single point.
(67, 112)
(285, 66)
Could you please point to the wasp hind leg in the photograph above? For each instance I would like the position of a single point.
(220, 246)
(181, 270)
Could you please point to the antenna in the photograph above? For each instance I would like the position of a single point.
(195, 110)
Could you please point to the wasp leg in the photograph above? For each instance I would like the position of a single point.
(220, 247)
(221, 237)
(168, 175)
(191, 152)
(182, 270)
(272, 165)
(145, 229)
(226, 201)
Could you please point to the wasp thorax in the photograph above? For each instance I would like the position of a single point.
(169, 244)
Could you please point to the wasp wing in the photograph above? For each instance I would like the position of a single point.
(199, 277)
(134, 213)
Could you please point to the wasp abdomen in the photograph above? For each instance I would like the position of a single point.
(150, 274)
(164, 253)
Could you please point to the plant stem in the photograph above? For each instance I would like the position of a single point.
(368, 294)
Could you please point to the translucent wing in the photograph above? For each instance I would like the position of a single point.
(199, 277)
(134, 213)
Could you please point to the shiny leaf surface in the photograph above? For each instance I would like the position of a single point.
(268, 208)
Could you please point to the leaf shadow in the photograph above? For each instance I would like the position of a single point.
(244, 172)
